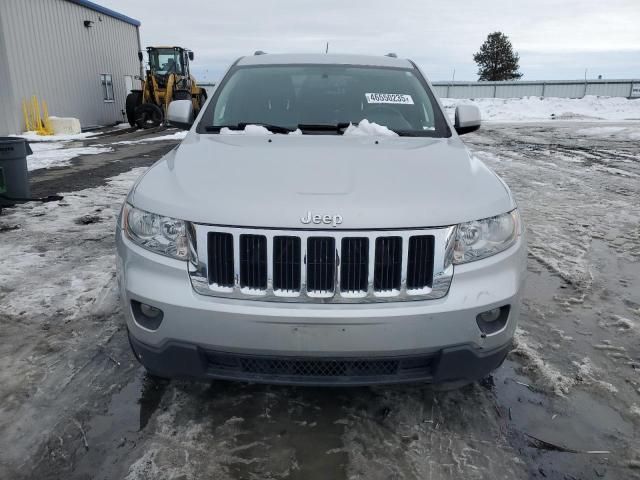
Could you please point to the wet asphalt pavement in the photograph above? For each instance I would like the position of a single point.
(74, 404)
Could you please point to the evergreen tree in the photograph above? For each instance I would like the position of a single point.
(496, 59)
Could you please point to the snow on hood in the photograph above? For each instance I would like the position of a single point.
(248, 130)
(254, 130)
(367, 128)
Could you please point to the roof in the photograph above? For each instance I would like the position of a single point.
(106, 11)
(321, 58)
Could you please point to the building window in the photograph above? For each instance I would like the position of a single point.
(107, 87)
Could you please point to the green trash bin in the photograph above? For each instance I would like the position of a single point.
(14, 176)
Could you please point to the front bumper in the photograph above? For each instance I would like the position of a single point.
(182, 360)
(217, 338)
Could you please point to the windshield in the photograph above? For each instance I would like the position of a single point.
(310, 97)
(165, 60)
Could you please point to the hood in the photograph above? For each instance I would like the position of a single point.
(367, 182)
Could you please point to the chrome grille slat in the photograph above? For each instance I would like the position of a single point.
(220, 256)
(346, 266)
(387, 276)
(321, 264)
(354, 265)
(420, 265)
(286, 264)
(253, 262)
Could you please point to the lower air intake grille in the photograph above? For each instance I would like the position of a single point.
(319, 368)
(221, 259)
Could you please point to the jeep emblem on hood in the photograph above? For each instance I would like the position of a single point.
(333, 220)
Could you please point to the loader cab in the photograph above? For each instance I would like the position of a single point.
(166, 60)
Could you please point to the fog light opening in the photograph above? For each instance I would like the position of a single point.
(490, 315)
(147, 316)
(149, 311)
(493, 320)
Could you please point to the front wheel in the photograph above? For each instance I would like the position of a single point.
(134, 100)
(149, 115)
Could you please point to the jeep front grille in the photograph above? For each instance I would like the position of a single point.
(336, 266)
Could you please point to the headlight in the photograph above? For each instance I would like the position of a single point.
(486, 237)
(164, 235)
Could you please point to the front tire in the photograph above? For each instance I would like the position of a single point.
(134, 100)
(149, 115)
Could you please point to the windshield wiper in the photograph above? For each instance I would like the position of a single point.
(322, 127)
(241, 126)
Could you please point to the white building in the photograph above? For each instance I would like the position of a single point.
(79, 57)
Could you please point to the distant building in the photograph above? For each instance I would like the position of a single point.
(80, 57)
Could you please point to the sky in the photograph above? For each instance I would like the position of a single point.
(556, 39)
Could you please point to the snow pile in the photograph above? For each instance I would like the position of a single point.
(534, 364)
(248, 130)
(34, 137)
(162, 138)
(536, 108)
(366, 129)
(55, 154)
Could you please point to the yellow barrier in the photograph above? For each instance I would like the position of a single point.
(33, 120)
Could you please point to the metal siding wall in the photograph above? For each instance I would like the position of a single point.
(515, 91)
(471, 91)
(7, 121)
(440, 90)
(563, 89)
(53, 55)
(575, 90)
(609, 89)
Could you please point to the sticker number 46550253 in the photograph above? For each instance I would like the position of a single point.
(389, 98)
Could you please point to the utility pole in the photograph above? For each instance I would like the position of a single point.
(453, 79)
(326, 50)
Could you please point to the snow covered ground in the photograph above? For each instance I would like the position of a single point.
(59, 150)
(35, 137)
(161, 138)
(533, 109)
(75, 404)
(56, 154)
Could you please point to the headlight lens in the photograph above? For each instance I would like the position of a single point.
(486, 237)
(164, 235)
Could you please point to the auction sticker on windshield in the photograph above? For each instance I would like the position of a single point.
(398, 98)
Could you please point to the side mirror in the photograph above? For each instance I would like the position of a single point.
(191, 56)
(180, 114)
(467, 119)
(140, 56)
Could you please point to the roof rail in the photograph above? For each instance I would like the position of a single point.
(391, 54)
(259, 52)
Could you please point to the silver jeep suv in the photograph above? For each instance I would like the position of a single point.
(322, 224)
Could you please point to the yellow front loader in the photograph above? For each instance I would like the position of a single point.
(167, 78)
